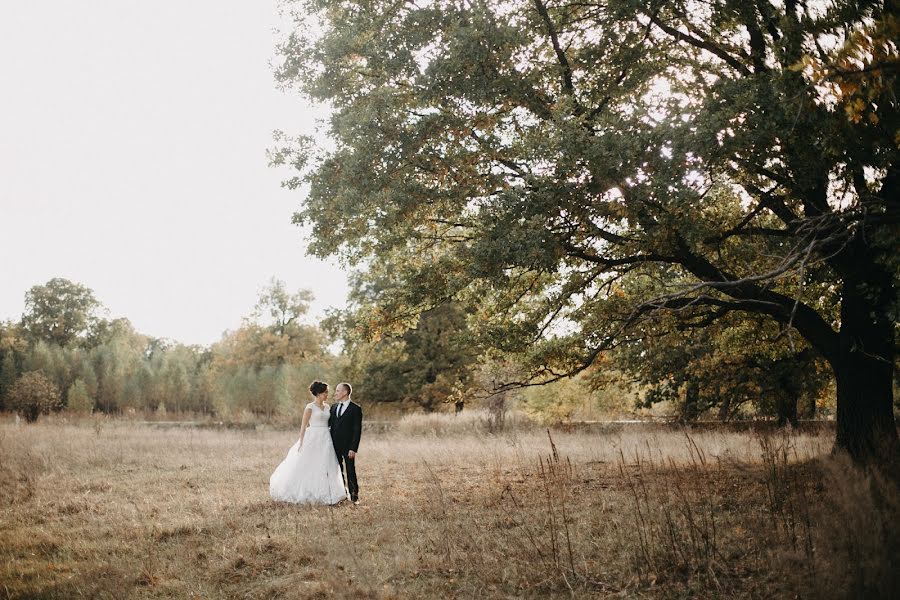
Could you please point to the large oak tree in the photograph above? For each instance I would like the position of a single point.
(523, 156)
(60, 312)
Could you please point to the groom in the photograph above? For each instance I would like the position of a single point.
(345, 423)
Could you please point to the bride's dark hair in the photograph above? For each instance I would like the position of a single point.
(317, 387)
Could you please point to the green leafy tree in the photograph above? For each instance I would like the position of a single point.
(8, 375)
(12, 347)
(54, 361)
(521, 157)
(60, 312)
(439, 356)
(78, 398)
(265, 366)
(281, 308)
(274, 334)
(34, 394)
(557, 402)
(119, 358)
(426, 364)
(737, 364)
(87, 374)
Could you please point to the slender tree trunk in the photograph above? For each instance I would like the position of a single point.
(811, 409)
(788, 395)
(690, 410)
(725, 409)
(864, 370)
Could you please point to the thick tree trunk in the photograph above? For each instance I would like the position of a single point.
(865, 419)
(864, 370)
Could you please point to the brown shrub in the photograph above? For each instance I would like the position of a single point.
(33, 394)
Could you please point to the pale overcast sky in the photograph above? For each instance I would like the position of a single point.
(132, 160)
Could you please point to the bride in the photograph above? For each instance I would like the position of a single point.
(310, 473)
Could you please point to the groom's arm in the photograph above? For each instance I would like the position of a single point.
(357, 432)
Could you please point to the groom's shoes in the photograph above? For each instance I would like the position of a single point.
(355, 500)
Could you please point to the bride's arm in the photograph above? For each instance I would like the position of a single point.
(306, 414)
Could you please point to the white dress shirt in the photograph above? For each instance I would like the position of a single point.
(342, 406)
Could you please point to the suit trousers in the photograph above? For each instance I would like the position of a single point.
(348, 470)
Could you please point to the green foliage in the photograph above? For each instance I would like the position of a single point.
(78, 398)
(438, 357)
(270, 391)
(426, 364)
(262, 369)
(33, 394)
(115, 362)
(739, 365)
(8, 375)
(281, 307)
(557, 402)
(60, 312)
(600, 393)
(275, 335)
(522, 157)
(85, 372)
(53, 361)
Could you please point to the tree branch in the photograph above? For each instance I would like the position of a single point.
(567, 83)
(703, 45)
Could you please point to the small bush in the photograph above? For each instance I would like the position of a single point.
(34, 394)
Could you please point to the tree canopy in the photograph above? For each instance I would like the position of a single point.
(523, 157)
(60, 311)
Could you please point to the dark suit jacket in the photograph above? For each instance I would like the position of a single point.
(346, 430)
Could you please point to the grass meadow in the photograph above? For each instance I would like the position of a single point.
(102, 508)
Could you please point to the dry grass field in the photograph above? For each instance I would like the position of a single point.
(113, 509)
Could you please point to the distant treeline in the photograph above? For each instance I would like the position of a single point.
(63, 355)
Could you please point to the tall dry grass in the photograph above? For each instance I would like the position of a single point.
(108, 509)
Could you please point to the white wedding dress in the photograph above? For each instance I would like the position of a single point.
(312, 475)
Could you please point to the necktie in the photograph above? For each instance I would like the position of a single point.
(340, 409)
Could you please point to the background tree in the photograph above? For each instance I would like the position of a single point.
(12, 347)
(521, 157)
(275, 334)
(33, 394)
(265, 366)
(743, 363)
(261, 369)
(8, 375)
(425, 364)
(280, 306)
(739, 365)
(78, 399)
(60, 312)
(53, 361)
(599, 393)
(439, 356)
(116, 361)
